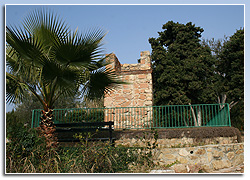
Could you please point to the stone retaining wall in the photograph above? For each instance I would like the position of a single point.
(208, 158)
(209, 155)
(176, 142)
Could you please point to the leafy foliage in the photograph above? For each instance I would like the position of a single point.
(183, 69)
(47, 59)
(186, 70)
(86, 157)
(85, 115)
(229, 54)
(23, 140)
(231, 66)
(23, 112)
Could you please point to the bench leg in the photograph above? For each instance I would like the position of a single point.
(111, 141)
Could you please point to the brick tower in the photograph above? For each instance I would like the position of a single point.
(137, 93)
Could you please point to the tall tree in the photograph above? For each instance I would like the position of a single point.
(229, 55)
(231, 66)
(183, 69)
(47, 59)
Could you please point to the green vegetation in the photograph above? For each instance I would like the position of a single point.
(47, 60)
(229, 84)
(187, 70)
(48, 66)
(27, 153)
(231, 70)
(85, 115)
(24, 110)
(182, 68)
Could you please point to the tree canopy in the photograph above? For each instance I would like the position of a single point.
(231, 66)
(187, 70)
(183, 69)
(229, 54)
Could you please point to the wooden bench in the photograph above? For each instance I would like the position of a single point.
(86, 127)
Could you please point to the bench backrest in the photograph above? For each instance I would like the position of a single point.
(85, 124)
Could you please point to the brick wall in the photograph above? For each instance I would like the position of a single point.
(138, 92)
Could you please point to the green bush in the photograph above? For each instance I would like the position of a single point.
(99, 157)
(13, 118)
(96, 159)
(27, 153)
(23, 140)
(237, 116)
(85, 115)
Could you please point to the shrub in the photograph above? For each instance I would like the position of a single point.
(99, 157)
(27, 153)
(85, 115)
(22, 139)
(24, 150)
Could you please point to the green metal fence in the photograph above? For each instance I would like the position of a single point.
(148, 117)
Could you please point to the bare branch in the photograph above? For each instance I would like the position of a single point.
(224, 97)
(232, 104)
(195, 120)
(222, 101)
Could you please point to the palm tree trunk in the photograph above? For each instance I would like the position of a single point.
(47, 128)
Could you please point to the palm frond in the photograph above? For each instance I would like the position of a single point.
(46, 25)
(15, 90)
(100, 82)
(24, 46)
(47, 59)
(80, 50)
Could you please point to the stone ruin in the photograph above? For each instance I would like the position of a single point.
(137, 94)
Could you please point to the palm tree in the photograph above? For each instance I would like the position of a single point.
(48, 60)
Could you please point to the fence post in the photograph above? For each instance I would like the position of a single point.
(32, 122)
(228, 111)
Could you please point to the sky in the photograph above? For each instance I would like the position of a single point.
(130, 26)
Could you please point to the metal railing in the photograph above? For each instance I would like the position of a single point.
(148, 117)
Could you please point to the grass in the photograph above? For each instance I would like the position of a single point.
(27, 153)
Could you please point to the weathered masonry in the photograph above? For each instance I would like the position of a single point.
(139, 90)
(137, 93)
